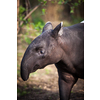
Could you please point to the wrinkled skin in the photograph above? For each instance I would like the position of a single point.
(62, 46)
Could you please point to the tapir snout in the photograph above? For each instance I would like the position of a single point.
(28, 65)
(24, 69)
(24, 74)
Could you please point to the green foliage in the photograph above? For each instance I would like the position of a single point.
(76, 19)
(19, 54)
(21, 9)
(18, 72)
(21, 15)
(47, 71)
(60, 1)
(72, 10)
(34, 74)
(21, 93)
(27, 39)
(18, 90)
(66, 2)
(52, 2)
(75, 4)
(72, 5)
(71, 91)
(42, 1)
(38, 24)
(43, 11)
(18, 65)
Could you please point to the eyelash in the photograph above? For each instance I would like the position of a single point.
(38, 48)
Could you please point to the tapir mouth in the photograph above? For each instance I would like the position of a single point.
(26, 72)
(35, 68)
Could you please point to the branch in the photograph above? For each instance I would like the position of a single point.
(29, 14)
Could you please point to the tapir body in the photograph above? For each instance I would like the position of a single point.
(62, 46)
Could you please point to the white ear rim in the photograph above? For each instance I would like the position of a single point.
(47, 22)
(82, 21)
(61, 30)
(61, 24)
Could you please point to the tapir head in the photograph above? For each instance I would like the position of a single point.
(42, 51)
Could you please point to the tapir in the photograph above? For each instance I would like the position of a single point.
(62, 46)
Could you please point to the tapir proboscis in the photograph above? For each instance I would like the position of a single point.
(62, 46)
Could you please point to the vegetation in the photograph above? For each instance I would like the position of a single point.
(24, 12)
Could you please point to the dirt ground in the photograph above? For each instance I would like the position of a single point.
(43, 84)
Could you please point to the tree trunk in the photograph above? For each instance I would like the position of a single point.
(18, 3)
(26, 2)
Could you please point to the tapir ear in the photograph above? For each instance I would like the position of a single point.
(47, 26)
(58, 31)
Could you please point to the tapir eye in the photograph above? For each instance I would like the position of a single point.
(41, 51)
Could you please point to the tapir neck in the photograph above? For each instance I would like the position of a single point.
(64, 44)
(72, 38)
(71, 42)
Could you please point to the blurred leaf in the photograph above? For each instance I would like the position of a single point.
(40, 0)
(23, 93)
(47, 71)
(38, 24)
(27, 39)
(44, 2)
(18, 90)
(71, 91)
(52, 2)
(72, 10)
(60, 2)
(21, 9)
(28, 19)
(43, 11)
(21, 18)
(18, 72)
(79, 1)
(18, 65)
(66, 2)
(26, 33)
(76, 4)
